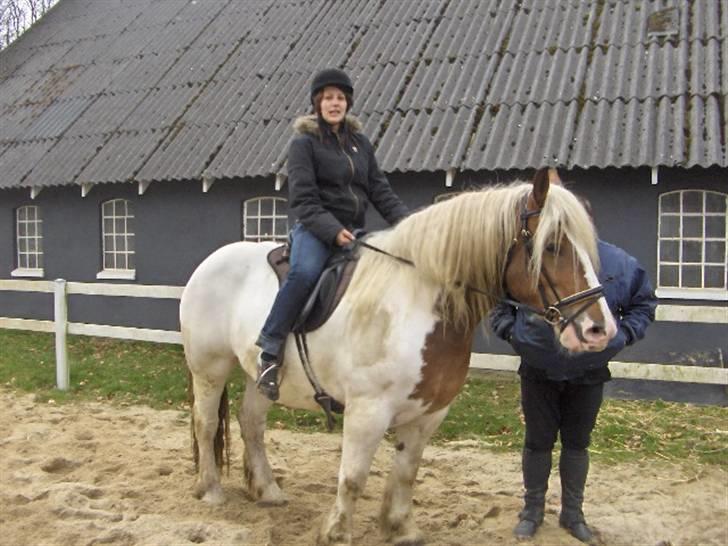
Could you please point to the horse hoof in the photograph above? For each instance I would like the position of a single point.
(410, 541)
(269, 496)
(333, 537)
(214, 496)
(281, 501)
(339, 540)
(413, 538)
(403, 533)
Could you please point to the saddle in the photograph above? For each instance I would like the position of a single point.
(327, 293)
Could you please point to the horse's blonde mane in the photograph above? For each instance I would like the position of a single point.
(463, 242)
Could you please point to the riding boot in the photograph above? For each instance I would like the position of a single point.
(536, 471)
(573, 468)
(267, 381)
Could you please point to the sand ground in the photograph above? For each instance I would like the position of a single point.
(93, 473)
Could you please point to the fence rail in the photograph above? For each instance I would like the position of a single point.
(60, 326)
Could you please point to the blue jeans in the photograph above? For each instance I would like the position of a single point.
(308, 257)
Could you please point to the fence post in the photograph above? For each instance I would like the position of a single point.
(60, 312)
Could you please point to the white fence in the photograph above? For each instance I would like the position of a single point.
(61, 327)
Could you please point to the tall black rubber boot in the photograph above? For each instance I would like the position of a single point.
(536, 471)
(573, 468)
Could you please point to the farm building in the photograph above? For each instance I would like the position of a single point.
(137, 136)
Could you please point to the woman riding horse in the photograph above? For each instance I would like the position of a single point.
(332, 175)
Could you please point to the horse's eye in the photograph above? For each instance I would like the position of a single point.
(551, 248)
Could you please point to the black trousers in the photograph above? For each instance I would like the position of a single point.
(559, 407)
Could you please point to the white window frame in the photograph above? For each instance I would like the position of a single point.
(251, 210)
(114, 261)
(29, 218)
(697, 293)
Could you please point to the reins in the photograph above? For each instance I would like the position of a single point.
(405, 261)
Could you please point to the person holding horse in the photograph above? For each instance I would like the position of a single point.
(333, 176)
(561, 393)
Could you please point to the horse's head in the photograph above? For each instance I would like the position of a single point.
(551, 266)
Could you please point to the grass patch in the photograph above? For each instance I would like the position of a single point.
(486, 411)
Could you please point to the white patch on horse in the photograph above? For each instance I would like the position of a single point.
(569, 337)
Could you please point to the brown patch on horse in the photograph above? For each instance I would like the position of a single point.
(447, 359)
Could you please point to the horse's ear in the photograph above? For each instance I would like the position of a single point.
(540, 186)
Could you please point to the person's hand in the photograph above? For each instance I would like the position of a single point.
(344, 237)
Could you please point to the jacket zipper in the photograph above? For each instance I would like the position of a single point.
(351, 182)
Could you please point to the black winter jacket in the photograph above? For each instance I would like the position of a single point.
(332, 182)
(631, 300)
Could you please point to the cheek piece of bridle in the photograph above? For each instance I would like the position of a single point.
(553, 313)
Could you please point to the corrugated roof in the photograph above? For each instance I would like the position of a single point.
(180, 89)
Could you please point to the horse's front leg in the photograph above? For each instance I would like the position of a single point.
(396, 518)
(259, 480)
(365, 423)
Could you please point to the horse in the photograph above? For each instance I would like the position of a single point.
(396, 350)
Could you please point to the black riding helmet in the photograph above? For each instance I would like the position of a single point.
(331, 76)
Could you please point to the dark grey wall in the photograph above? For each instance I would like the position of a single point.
(625, 204)
(9, 201)
(177, 226)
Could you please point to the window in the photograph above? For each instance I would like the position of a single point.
(28, 242)
(265, 219)
(117, 228)
(692, 240)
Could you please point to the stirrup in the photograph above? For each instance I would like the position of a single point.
(267, 381)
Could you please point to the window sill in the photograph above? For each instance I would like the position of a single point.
(714, 294)
(119, 274)
(24, 272)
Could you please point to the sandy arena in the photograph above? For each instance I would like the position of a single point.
(84, 474)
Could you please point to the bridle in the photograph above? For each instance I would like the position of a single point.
(553, 313)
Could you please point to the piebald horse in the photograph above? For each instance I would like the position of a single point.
(396, 350)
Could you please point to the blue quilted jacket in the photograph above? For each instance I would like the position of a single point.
(630, 297)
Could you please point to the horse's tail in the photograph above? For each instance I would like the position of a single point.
(221, 445)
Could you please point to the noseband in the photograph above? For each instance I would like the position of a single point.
(553, 313)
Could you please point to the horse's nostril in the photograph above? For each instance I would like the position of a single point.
(597, 330)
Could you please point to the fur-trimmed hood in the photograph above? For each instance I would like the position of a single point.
(309, 124)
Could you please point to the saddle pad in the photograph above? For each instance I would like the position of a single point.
(327, 293)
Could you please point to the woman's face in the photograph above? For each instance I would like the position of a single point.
(333, 105)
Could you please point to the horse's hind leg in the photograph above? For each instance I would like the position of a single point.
(259, 480)
(396, 517)
(207, 391)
